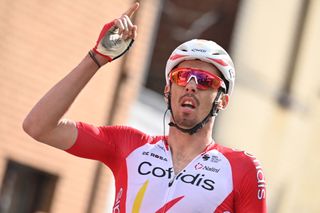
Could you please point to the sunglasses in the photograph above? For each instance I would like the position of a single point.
(204, 79)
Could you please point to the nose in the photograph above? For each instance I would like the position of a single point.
(191, 86)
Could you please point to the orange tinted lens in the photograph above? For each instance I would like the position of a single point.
(205, 80)
(180, 77)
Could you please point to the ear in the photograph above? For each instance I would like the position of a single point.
(223, 102)
(166, 93)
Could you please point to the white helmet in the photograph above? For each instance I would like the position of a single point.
(207, 51)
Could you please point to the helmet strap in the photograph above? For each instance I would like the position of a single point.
(213, 112)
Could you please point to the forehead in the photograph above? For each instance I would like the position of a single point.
(200, 65)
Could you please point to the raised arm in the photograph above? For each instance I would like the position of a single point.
(44, 122)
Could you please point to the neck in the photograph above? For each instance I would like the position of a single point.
(190, 145)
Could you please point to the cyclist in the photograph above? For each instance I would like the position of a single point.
(186, 171)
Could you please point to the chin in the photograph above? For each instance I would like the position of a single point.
(187, 123)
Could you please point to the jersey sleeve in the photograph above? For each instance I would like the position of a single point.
(250, 186)
(107, 144)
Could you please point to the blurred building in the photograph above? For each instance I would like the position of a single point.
(40, 42)
(273, 113)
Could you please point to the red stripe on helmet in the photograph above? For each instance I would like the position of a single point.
(176, 56)
(219, 61)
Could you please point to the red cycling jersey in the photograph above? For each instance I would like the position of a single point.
(218, 180)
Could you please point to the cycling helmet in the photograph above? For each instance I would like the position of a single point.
(207, 51)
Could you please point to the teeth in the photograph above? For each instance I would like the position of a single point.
(187, 102)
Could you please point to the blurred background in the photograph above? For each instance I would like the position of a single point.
(274, 112)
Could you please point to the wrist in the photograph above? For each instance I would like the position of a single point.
(97, 58)
(101, 58)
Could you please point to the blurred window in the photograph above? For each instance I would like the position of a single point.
(26, 190)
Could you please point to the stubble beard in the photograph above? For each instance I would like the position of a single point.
(186, 122)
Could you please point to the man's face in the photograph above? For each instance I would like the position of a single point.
(189, 104)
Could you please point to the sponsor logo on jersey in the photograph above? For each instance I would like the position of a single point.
(205, 157)
(215, 159)
(146, 168)
(116, 207)
(161, 147)
(200, 166)
(137, 204)
(261, 194)
(151, 154)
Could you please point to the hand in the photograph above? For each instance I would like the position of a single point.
(124, 24)
(117, 36)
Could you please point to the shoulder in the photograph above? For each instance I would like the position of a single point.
(247, 171)
(239, 158)
(245, 166)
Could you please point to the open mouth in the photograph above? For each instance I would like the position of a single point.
(188, 104)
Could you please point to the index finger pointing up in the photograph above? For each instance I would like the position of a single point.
(132, 9)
